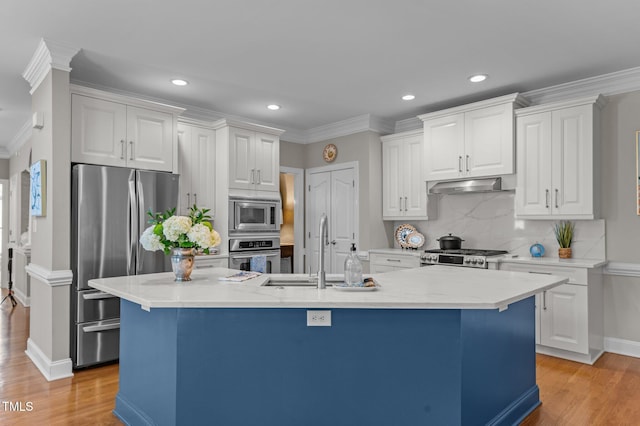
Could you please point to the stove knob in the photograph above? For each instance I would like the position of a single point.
(467, 261)
(474, 261)
(481, 261)
(433, 258)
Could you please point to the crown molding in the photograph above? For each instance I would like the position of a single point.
(598, 101)
(607, 84)
(48, 55)
(408, 124)
(361, 123)
(20, 138)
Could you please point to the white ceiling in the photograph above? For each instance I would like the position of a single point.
(323, 61)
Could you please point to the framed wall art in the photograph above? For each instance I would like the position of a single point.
(38, 190)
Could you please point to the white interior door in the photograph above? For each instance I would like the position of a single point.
(334, 193)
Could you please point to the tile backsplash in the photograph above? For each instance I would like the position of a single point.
(487, 221)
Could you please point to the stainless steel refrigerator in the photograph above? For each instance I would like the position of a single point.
(109, 213)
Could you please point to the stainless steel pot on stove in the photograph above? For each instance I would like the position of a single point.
(450, 242)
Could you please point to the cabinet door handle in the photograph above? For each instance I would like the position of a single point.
(188, 199)
(131, 156)
(393, 260)
(405, 204)
(122, 149)
(400, 204)
(253, 175)
(195, 199)
(540, 273)
(557, 198)
(259, 177)
(544, 300)
(460, 163)
(546, 198)
(467, 162)
(334, 242)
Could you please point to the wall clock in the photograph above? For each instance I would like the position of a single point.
(330, 153)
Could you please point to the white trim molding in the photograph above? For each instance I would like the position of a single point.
(51, 370)
(48, 55)
(622, 269)
(350, 126)
(622, 346)
(52, 278)
(18, 140)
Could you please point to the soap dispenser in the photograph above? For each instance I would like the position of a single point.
(353, 269)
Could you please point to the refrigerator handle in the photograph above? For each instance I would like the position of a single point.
(132, 230)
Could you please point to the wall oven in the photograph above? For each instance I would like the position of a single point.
(248, 214)
(245, 248)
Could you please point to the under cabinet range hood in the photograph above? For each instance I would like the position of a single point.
(467, 186)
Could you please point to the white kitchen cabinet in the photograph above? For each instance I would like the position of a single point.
(569, 317)
(254, 160)
(404, 189)
(110, 130)
(473, 140)
(196, 165)
(558, 160)
(386, 262)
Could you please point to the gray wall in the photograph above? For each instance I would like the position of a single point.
(620, 121)
(292, 155)
(5, 168)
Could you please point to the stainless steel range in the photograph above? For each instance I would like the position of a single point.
(470, 258)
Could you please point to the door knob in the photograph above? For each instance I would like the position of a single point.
(333, 242)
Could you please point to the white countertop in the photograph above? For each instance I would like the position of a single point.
(434, 287)
(549, 261)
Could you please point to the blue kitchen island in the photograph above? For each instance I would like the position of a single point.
(432, 346)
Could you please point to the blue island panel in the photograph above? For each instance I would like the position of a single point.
(371, 367)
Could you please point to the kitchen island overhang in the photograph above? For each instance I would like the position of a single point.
(394, 358)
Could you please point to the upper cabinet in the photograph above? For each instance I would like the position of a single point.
(404, 189)
(196, 165)
(254, 155)
(472, 140)
(111, 130)
(558, 146)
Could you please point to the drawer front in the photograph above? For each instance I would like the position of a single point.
(398, 261)
(575, 275)
(377, 269)
(210, 263)
(97, 342)
(95, 305)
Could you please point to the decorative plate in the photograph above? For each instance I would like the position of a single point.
(415, 240)
(330, 153)
(402, 232)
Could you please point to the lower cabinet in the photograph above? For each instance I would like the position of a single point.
(382, 262)
(569, 317)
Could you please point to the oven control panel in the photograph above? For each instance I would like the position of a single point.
(454, 260)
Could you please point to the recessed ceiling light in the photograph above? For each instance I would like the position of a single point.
(179, 82)
(273, 107)
(408, 97)
(478, 78)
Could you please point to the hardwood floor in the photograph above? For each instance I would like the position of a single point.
(572, 394)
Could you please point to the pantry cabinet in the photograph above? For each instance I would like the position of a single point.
(569, 317)
(110, 130)
(404, 189)
(196, 165)
(558, 160)
(473, 140)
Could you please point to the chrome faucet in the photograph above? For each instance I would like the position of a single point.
(323, 241)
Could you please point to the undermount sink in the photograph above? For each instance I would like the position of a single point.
(284, 280)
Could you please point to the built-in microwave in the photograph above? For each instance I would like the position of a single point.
(248, 214)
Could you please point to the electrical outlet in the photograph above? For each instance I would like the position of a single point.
(318, 318)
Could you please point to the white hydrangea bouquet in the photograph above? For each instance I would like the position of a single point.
(168, 231)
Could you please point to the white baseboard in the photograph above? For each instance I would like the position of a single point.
(622, 347)
(22, 298)
(51, 370)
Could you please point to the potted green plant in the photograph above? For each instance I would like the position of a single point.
(564, 235)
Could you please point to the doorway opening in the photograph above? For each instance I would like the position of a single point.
(292, 218)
